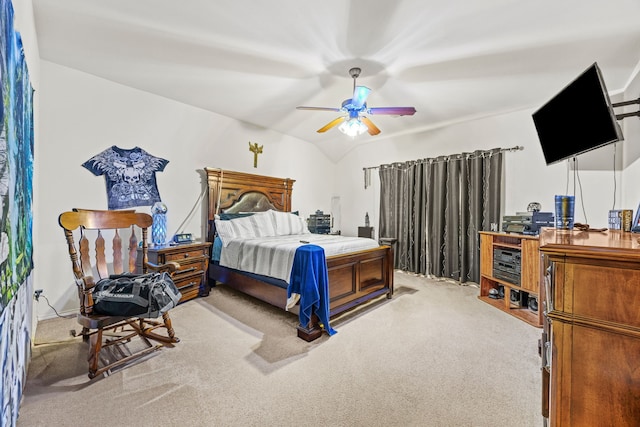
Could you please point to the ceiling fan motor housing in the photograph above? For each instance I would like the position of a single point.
(347, 106)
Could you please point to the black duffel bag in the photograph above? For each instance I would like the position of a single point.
(143, 295)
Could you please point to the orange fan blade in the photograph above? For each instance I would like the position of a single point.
(331, 124)
(373, 129)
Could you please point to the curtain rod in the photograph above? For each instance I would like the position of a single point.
(469, 155)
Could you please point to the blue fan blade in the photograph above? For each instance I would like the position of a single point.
(360, 95)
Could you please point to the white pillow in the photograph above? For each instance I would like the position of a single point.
(286, 223)
(257, 225)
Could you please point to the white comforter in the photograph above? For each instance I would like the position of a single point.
(273, 256)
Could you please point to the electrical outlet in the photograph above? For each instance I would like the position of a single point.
(36, 294)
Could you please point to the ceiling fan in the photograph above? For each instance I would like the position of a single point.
(355, 120)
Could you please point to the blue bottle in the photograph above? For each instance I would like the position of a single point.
(565, 208)
(159, 226)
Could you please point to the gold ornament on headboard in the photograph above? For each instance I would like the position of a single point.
(255, 150)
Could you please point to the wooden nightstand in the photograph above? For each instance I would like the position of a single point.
(194, 262)
(365, 232)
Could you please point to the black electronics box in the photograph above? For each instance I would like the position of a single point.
(507, 265)
(319, 223)
(527, 222)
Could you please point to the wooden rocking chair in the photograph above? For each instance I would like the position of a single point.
(111, 339)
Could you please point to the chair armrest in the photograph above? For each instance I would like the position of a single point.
(85, 292)
(169, 267)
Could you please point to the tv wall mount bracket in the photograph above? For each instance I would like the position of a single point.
(625, 103)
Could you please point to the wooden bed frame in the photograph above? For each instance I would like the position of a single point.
(354, 278)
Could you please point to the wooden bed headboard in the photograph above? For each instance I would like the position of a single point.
(231, 191)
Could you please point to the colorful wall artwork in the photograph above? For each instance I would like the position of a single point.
(16, 215)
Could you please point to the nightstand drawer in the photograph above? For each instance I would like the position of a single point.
(186, 255)
(190, 266)
(188, 285)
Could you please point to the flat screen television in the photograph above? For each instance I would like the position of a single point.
(578, 119)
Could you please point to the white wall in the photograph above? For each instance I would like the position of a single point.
(81, 115)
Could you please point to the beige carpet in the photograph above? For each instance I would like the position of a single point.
(434, 355)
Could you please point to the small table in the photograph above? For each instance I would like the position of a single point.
(365, 232)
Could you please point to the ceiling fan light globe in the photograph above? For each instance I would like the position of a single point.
(352, 127)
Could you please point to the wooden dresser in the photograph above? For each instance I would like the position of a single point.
(194, 263)
(591, 344)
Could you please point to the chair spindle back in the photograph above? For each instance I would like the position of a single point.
(103, 223)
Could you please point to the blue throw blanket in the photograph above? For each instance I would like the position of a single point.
(309, 279)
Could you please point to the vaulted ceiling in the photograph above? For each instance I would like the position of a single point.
(255, 61)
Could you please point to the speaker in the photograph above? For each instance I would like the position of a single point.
(519, 298)
(514, 297)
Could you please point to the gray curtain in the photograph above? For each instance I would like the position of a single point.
(435, 208)
(391, 204)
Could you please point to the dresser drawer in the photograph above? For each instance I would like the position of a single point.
(602, 293)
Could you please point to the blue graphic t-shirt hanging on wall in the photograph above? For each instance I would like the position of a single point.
(130, 176)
